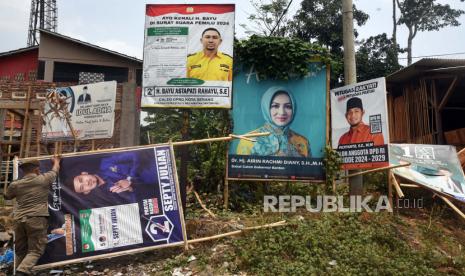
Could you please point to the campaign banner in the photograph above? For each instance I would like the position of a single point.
(188, 55)
(293, 112)
(435, 167)
(359, 122)
(112, 202)
(89, 109)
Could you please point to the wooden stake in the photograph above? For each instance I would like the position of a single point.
(203, 205)
(25, 123)
(396, 186)
(10, 139)
(451, 205)
(226, 183)
(375, 170)
(390, 175)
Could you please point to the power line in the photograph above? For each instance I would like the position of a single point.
(438, 55)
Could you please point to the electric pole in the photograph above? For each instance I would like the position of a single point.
(350, 75)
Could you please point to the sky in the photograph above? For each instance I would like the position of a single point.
(119, 24)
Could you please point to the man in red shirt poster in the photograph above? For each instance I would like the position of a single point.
(359, 132)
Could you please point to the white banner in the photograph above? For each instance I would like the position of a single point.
(188, 55)
(359, 123)
(90, 112)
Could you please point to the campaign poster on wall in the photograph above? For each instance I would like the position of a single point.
(293, 112)
(435, 167)
(113, 202)
(359, 123)
(89, 109)
(188, 55)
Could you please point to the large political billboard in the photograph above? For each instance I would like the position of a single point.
(435, 167)
(359, 123)
(105, 203)
(88, 110)
(293, 112)
(188, 55)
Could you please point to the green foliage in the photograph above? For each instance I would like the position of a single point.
(332, 165)
(207, 164)
(335, 244)
(278, 57)
(377, 57)
(320, 21)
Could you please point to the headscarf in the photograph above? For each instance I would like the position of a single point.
(277, 143)
(266, 103)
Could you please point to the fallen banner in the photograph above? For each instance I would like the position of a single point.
(113, 203)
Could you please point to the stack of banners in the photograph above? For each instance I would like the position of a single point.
(188, 55)
(359, 123)
(293, 112)
(435, 167)
(112, 202)
(90, 110)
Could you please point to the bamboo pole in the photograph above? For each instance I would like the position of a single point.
(203, 205)
(451, 205)
(408, 185)
(181, 143)
(376, 170)
(149, 248)
(237, 232)
(242, 137)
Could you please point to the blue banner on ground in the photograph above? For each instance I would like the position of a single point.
(293, 112)
(112, 202)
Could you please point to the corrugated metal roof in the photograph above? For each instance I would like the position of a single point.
(427, 65)
(17, 51)
(91, 45)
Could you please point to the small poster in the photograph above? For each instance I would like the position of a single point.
(112, 202)
(435, 167)
(88, 110)
(359, 123)
(188, 55)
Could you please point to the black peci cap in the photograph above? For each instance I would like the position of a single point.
(353, 103)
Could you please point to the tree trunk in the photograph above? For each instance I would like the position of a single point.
(409, 45)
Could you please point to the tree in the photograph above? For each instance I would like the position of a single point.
(377, 57)
(321, 21)
(425, 15)
(270, 18)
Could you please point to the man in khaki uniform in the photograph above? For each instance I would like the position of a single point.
(31, 213)
(210, 64)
